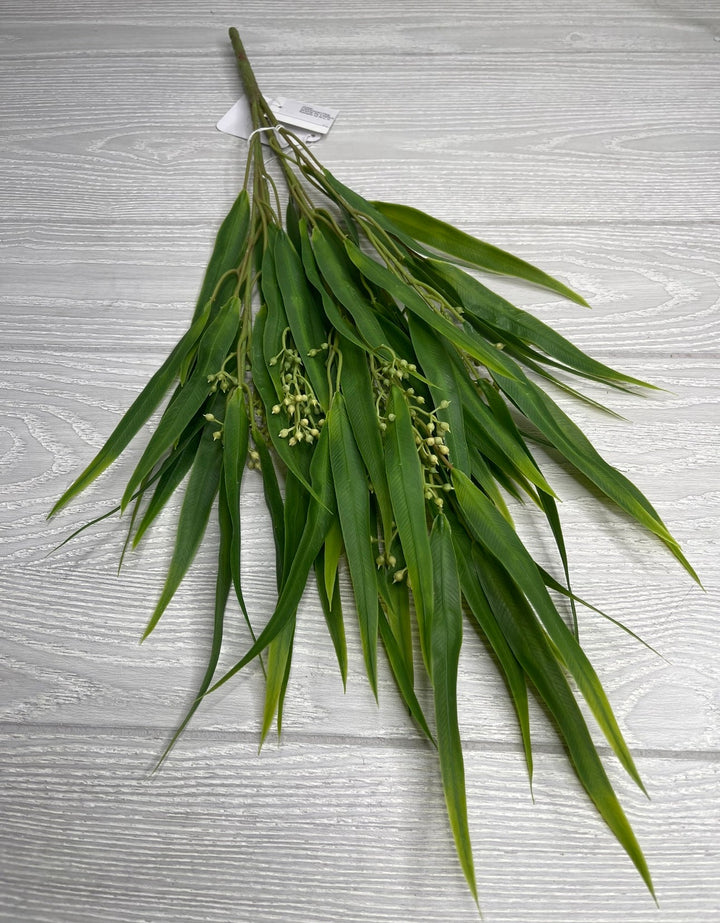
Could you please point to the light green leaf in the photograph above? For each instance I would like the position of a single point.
(568, 439)
(303, 314)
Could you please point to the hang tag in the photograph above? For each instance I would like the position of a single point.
(313, 117)
(308, 122)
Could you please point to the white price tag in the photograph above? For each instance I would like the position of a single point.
(303, 115)
(309, 122)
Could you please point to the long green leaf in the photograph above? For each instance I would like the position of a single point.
(353, 504)
(360, 402)
(336, 270)
(494, 534)
(304, 316)
(456, 243)
(403, 678)
(482, 303)
(534, 652)
(227, 252)
(407, 489)
(432, 353)
(445, 642)
(176, 467)
(194, 515)
(568, 439)
(320, 514)
(332, 610)
(511, 669)
(213, 348)
(222, 591)
(236, 438)
(138, 413)
(474, 346)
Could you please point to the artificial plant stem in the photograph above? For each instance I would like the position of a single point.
(250, 85)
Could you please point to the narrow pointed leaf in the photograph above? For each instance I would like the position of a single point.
(230, 242)
(403, 678)
(138, 413)
(406, 484)
(303, 314)
(320, 514)
(445, 634)
(222, 589)
(501, 541)
(351, 490)
(568, 439)
(214, 346)
(532, 649)
(194, 515)
(475, 346)
(332, 610)
(450, 240)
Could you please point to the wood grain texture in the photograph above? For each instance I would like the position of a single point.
(583, 137)
(318, 830)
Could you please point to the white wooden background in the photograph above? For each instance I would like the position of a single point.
(581, 135)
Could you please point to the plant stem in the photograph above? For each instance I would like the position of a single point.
(250, 84)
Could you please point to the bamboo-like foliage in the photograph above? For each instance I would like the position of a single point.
(392, 392)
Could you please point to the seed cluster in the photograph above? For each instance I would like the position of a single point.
(298, 401)
(428, 430)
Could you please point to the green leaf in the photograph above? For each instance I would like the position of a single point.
(360, 402)
(445, 642)
(214, 345)
(482, 303)
(441, 373)
(455, 243)
(174, 469)
(337, 271)
(474, 346)
(222, 591)
(236, 438)
(228, 249)
(137, 414)
(194, 515)
(304, 316)
(511, 669)
(296, 458)
(321, 512)
(494, 534)
(407, 495)
(403, 678)
(568, 439)
(273, 500)
(534, 652)
(353, 504)
(332, 310)
(332, 552)
(332, 610)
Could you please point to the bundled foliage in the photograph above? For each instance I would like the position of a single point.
(392, 392)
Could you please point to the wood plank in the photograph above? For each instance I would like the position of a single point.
(606, 138)
(71, 630)
(522, 26)
(312, 831)
(124, 285)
